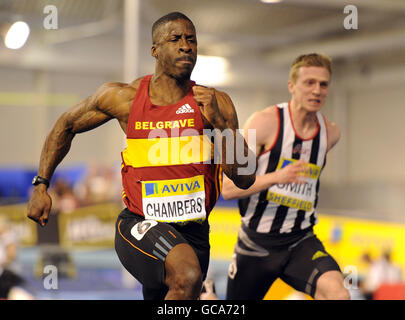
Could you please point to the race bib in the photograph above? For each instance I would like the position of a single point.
(294, 195)
(175, 200)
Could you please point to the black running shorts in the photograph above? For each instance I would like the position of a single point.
(142, 246)
(254, 268)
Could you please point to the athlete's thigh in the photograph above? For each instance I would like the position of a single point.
(197, 236)
(142, 246)
(250, 277)
(308, 261)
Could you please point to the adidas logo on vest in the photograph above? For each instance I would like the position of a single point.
(185, 109)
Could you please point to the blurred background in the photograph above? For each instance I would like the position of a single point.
(61, 51)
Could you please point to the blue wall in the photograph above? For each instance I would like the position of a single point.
(15, 182)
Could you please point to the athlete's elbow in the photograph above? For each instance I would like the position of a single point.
(64, 125)
(229, 190)
(227, 194)
(245, 182)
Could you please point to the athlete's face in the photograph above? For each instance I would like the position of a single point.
(311, 88)
(175, 48)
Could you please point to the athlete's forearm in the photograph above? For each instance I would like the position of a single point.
(238, 162)
(293, 173)
(57, 145)
(231, 191)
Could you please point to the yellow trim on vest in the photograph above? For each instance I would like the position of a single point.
(168, 151)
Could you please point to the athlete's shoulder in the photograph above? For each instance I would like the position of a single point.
(271, 112)
(114, 90)
(126, 89)
(263, 118)
(334, 132)
(265, 124)
(117, 92)
(134, 85)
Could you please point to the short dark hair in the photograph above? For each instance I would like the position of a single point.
(172, 16)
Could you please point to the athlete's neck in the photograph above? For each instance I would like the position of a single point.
(166, 90)
(305, 122)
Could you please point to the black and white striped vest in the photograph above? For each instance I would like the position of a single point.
(287, 208)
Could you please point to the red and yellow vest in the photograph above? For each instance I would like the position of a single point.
(168, 172)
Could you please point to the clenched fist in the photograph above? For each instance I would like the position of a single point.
(39, 205)
(293, 173)
(206, 99)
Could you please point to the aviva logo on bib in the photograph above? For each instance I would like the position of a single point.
(151, 188)
(175, 200)
(174, 187)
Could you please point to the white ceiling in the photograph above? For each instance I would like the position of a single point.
(260, 40)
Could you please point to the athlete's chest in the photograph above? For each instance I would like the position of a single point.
(147, 120)
(297, 148)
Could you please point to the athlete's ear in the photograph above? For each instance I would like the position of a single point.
(153, 52)
(291, 86)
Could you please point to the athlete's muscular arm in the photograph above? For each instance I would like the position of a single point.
(106, 104)
(265, 124)
(217, 108)
(86, 115)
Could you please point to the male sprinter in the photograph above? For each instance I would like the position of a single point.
(276, 239)
(162, 235)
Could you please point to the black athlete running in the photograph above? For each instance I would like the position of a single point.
(162, 235)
